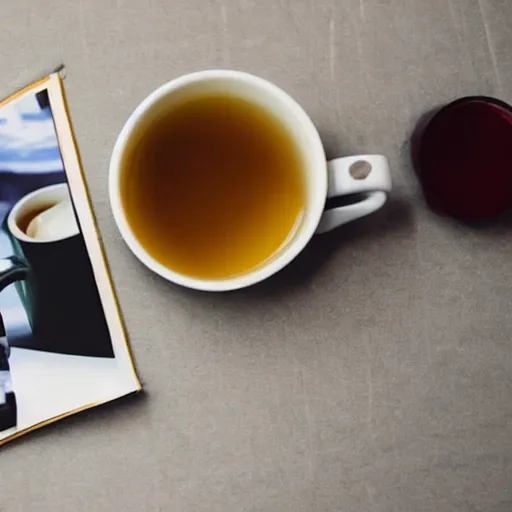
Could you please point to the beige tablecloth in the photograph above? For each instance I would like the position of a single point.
(376, 374)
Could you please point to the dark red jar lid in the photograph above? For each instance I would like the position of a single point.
(463, 157)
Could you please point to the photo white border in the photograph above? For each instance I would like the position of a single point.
(80, 196)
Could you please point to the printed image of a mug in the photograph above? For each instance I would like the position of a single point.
(367, 175)
(55, 282)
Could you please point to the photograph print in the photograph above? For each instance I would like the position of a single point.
(56, 348)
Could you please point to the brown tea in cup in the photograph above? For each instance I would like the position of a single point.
(214, 187)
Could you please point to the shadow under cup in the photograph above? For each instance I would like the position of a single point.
(56, 284)
(462, 154)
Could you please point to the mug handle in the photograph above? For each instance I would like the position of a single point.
(12, 269)
(366, 174)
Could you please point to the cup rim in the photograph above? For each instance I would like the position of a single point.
(312, 217)
(11, 218)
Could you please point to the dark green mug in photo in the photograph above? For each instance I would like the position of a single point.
(54, 276)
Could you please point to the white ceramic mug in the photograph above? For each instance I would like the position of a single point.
(367, 175)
